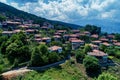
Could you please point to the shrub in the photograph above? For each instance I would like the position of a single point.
(79, 55)
(106, 76)
(87, 48)
(1, 69)
(91, 64)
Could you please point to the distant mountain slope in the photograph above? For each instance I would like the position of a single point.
(13, 12)
(106, 25)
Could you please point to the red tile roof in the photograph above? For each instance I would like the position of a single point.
(97, 41)
(37, 35)
(7, 32)
(46, 38)
(28, 24)
(86, 32)
(11, 22)
(104, 39)
(94, 36)
(18, 30)
(92, 45)
(106, 44)
(23, 26)
(30, 30)
(54, 48)
(72, 39)
(66, 35)
(61, 31)
(97, 53)
(73, 35)
(114, 41)
(57, 33)
(81, 34)
(38, 39)
(57, 36)
(110, 36)
(44, 27)
(77, 41)
(117, 44)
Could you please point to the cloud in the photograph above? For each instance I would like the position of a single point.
(23, 1)
(70, 10)
(4, 1)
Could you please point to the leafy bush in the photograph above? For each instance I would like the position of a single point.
(53, 57)
(1, 68)
(117, 55)
(79, 55)
(106, 76)
(36, 58)
(2, 18)
(117, 37)
(87, 48)
(91, 64)
(93, 29)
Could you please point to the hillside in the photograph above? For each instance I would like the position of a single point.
(12, 12)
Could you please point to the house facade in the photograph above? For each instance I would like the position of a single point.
(101, 56)
(46, 39)
(76, 43)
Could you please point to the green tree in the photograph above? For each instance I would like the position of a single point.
(57, 43)
(85, 38)
(43, 48)
(39, 56)
(117, 37)
(3, 39)
(93, 29)
(18, 51)
(111, 52)
(12, 51)
(117, 55)
(106, 76)
(87, 48)
(36, 58)
(66, 50)
(24, 54)
(46, 77)
(3, 48)
(53, 57)
(2, 18)
(91, 64)
(79, 55)
(13, 38)
(19, 43)
(15, 64)
(23, 37)
(103, 47)
(51, 31)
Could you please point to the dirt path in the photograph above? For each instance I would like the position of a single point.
(13, 73)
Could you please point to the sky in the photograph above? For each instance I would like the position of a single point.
(72, 11)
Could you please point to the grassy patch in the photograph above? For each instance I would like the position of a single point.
(70, 70)
(67, 71)
(4, 64)
(114, 70)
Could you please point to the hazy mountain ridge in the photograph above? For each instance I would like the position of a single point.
(13, 12)
(106, 25)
